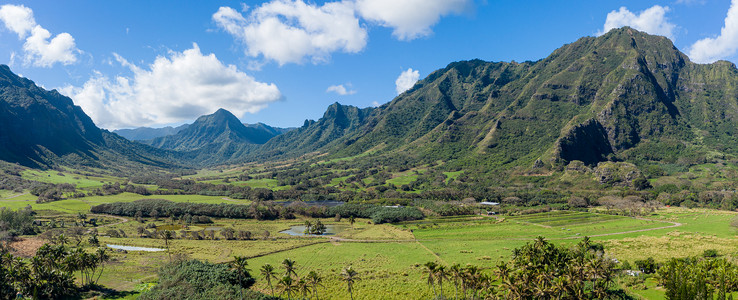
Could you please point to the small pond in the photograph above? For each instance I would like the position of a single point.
(299, 230)
(134, 248)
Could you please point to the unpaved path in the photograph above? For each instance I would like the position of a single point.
(15, 196)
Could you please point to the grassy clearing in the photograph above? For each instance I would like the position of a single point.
(389, 257)
(80, 181)
(84, 204)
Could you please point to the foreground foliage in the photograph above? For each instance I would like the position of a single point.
(194, 279)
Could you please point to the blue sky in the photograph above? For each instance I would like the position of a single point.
(154, 63)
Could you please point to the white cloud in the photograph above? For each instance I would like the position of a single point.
(18, 19)
(39, 50)
(172, 89)
(292, 31)
(652, 20)
(406, 80)
(410, 19)
(726, 44)
(341, 89)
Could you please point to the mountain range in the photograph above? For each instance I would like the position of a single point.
(623, 96)
(40, 128)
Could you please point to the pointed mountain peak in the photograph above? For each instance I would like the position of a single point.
(218, 117)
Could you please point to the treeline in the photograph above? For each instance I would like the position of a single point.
(51, 273)
(257, 210)
(378, 214)
(165, 208)
(16, 222)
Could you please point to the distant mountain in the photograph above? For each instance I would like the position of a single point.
(221, 127)
(623, 96)
(337, 121)
(40, 128)
(144, 134)
(148, 133)
(217, 138)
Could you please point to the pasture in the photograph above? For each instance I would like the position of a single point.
(390, 257)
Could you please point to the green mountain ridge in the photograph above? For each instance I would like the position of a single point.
(40, 128)
(614, 97)
(623, 96)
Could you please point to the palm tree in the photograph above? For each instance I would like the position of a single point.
(308, 226)
(350, 276)
(456, 274)
(288, 285)
(268, 272)
(289, 267)
(351, 221)
(304, 287)
(102, 257)
(441, 273)
(239, 264)
(315, 281)
(431, 268)
(168, 237)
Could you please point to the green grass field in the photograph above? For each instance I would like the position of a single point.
(84, 204)
(389, 257)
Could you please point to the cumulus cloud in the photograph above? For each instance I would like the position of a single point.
(726, 44)
(172, 89)
(406, 80)
(294, 31)
(341, 90)
(652, 20)
(40, 48)
(409, 19)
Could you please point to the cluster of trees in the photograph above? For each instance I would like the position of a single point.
(698, 278)
(541, 270)
(50, 273)
(16, 222)
(257, 210)
(166, 208)
(317, 228)
(378, 214)
(473, 283)
(194, 279)
(291, 284)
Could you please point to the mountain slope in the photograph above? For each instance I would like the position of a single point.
(625, 95)
(40, 128)
(337, 121)
(221, 127)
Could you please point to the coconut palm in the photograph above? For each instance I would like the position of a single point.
(456, 273)
(168, 236)
(315, 281)
(102, 258)
(350, 276)
(441, 274)
(351, 221)
(431, 269)
(268, 272)
(308, 226)
(288, 285)
(238, 265)
(303, 286)
(289, 267)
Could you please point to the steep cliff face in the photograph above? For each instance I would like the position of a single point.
(599, 98)
(40, 128)
(35, 123)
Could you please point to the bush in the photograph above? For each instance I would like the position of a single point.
(194, 279)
